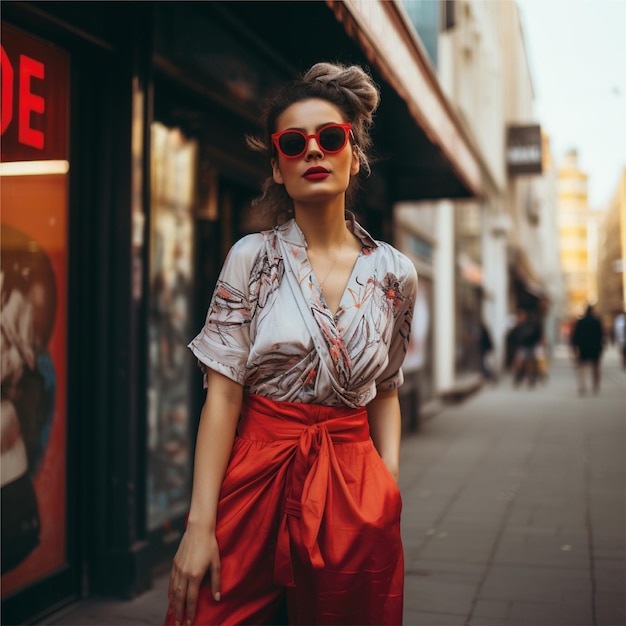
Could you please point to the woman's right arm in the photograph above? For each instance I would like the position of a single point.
(198, 551)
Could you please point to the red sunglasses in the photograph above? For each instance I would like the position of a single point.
(331, 139)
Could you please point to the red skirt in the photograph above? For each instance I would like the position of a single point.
(308, 515)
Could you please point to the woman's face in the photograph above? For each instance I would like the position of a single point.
(315, 176)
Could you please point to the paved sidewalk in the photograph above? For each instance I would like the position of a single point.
(514, 512)
(514, 507)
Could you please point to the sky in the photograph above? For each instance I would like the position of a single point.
(577, 56)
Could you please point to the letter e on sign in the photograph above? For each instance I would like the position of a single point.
(29, 102)
(35, 98)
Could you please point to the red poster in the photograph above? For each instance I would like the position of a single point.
(34, 244)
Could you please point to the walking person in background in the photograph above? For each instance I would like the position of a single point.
(587, 342)
(619, 335)
(523, 339)
(485, 347)
(294, 501)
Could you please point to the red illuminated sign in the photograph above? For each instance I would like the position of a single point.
(33, 106)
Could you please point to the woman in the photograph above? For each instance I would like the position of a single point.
(294, 503)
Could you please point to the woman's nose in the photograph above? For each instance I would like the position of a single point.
(313, 148)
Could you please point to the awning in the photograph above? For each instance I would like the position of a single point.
(420, 148)
(388, 40)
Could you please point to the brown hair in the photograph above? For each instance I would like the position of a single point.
(352, 90)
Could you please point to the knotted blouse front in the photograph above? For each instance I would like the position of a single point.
(269, 328)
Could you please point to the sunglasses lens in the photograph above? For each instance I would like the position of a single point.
(292, 144)
(332, 138)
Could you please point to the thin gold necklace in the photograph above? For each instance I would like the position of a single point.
(330, 269)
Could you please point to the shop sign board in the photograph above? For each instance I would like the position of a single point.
(524, 149)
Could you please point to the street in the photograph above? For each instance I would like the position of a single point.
(514, 511)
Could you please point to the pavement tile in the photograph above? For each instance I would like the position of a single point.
(443, 571)
(519, 517)
(434, 596)
(532, 552)
(420, 618)
(544, 518)
(610, 610)
(524, 531)
(610, 576)
(527, 613)
(536, 584)
(471, 525)
(609, 554)
(499, 609)
(464, 552)
(611, 603)
(486, 621)
(612, 538)
(148, 608)
(577, 529)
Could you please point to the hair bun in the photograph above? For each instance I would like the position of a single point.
(353, 82)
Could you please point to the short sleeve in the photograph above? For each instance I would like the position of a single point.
(223, 344)
(392, 377)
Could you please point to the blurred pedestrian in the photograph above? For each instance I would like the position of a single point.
(541, 360)
(587, 343)
(619, 336)
(524, 338)
(541, 352)
(485, 347)
(294, 501)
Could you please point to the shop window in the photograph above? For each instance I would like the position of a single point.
(170, 320)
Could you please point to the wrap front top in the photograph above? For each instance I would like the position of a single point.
(269, 328)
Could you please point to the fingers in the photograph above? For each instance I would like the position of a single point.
(192, 599)
(180, 599)
(186, 578)
(183, 593)
(177, 593)
(216, 582)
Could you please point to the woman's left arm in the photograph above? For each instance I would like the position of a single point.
(384, 417)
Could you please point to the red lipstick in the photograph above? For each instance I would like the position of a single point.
(316, 173)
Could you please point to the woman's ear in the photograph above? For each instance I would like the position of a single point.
(355, 166)
(276, 173)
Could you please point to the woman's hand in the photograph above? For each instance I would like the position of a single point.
(383, 413)
(393, 468)
(197, 553)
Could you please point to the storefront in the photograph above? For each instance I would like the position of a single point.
(36, 520)
(469, 288)
(414, 229)
(71, 441)
(139, 112)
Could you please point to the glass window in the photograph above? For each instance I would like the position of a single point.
(173, 189)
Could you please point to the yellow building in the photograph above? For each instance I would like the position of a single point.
(612, 256)
(578, 235)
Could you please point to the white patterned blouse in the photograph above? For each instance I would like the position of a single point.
(269, 328)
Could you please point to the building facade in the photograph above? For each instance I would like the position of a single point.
(486, 248)
(547, 255)
(612, 257)
(578, 233)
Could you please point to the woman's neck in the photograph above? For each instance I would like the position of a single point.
(323, 225)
